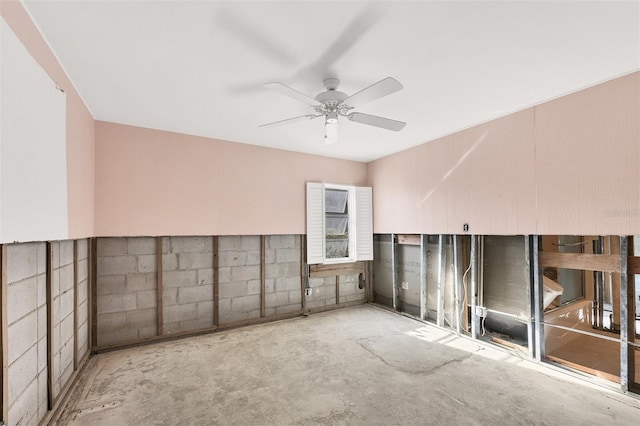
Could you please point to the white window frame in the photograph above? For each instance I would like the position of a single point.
(360, 223)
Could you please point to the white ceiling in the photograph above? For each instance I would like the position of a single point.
(198, 67)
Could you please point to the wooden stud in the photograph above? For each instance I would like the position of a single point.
(303, 274)
(75, 305)
(4, 334)
(411, 239)
(93, 284)
(337, 289)
(159, 298)
(633, 263)
(587, 262)
(49, 292)
(216, 286)
(263, 283)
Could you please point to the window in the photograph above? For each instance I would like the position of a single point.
(339, 223)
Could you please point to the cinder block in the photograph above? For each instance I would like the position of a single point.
(55, 254)
(280, 298)
(233, 289)
(282, 270)
(112, 322)
(22, 298)
(148, 331)
(254, 287)
(66, 303)
(286, 284)
(195, 260)
(232, 258)
(354, 297)
(55, 316)
(348, 288)
(179, 278)
(142, 318)
(224, 309)
(55, 282)
(224, 275)
(188, 244)
(269, 311)
(245, 273)
(111, 247)
(83, 249)
(287, 255)
(205, 310)
(254, 257)
(118, 265)
(42, 355)
(148, 263)
(120, 336)
(288, 308)
(66, 252)
(269, 285)
(195, 294)
(83, 289)
(83, 270)
(316, 303)
(350, 278)
(169, 262)
(113, 284)
(295, 297)
(43, 406)
(169, 296)
(229, 242)
(269, 256)
(22, 261)
(22, 372)
(138, 282)
(141, 245)
(147, 299)
(283, 241)
(184, 312)
(205, 276)
(83, 312)
(116, 303)
(42, 289)
(42, 321)
(245, 303)
(42, 258)
(24, 410)
(22, 335)
(196, 324)
(66, 278)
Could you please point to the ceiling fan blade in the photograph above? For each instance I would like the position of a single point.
(382, 88)
(291, 120)
(372, 120)
(292, 93)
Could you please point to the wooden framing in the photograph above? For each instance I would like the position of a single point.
(303, 274)
(317, 271)
(159, 298)
(586, 262)
(50, 331)
(75, 305)
(263, 282)
(93, 293)
(408, 239)
(216, 286)
(633, 263)
(4, 334)
(337, 289)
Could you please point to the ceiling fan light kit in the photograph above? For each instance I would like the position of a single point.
(332, 103)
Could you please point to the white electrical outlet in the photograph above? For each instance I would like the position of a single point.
(481, 311)
(405, 285)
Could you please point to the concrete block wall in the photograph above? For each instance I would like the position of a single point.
(239, 277)
(187, 265)
(82, 306)
(350, 290)
(126, 289)
(27, 333)
(283, 292)
(63, 312)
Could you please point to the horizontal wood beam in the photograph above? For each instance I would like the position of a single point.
(582, 261)
(408, 239)
(317, 271)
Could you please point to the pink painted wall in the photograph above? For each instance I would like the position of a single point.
(568, 166)
(80, 123)
(152, 182)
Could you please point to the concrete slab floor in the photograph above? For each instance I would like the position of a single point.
(354, 366)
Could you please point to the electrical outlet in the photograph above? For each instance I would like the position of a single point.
(308, 291)
(405, 285)
(481, 311)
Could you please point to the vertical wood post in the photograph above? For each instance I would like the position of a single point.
(93, 285)
(4, 330)
(303, 274)
(75, 305)
(216, 286)
(337, 289)
(49, 295)
(159, 298)
(263, 284)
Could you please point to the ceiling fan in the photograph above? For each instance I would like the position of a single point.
(332, 103)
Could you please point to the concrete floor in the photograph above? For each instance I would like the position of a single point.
(354, 366)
